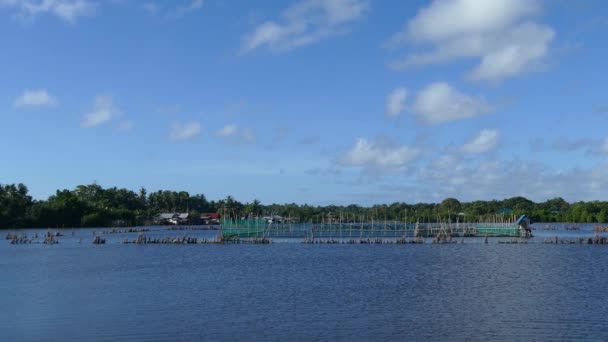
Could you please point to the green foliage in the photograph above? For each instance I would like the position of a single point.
(94, 220)
(93, 206)
(14, 202)
(602, 216)
(449, 207)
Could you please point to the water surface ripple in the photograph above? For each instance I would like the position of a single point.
(74, 292)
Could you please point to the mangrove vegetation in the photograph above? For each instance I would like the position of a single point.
(94, 206)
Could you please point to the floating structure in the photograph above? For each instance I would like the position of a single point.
(367, 231)
(255, 227)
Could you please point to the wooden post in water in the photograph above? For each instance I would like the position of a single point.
(361, 229)
(372, 232)
(405, 226)
(350, 230)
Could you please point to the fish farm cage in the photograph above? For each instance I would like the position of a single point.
(259, 228)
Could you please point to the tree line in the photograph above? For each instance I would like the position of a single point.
(94, 206)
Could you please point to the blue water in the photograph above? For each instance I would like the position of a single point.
(289, 291)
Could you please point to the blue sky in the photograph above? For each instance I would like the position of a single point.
(309, 101)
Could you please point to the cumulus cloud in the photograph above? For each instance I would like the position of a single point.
(439, 103)
(304, 23)
(180, 11)
(35, 98)
(379, 153)
(471, 178)
(484, 141)
(67, 10)
(395, 102)
(186, 8)
(184, 131)
(500, 34)
(236, 134)
(150, 7)
(590, 146)
(227, 131)
(467, 179)
(103, 111)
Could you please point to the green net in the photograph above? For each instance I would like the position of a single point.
(500, 231)
(246, 227)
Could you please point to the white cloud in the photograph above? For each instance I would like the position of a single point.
(484, 141)
(589, 146)
(469, 179)
(67, 10)
(237, 134)
(395, 102)
(379, 153)
(184, 131)
(188, 7)
(444, 19)
(150, 7)
(304, 23)
(523, 49)
(103, 111)
(180, 11)
(35, 98)
(439, 103)
(499, 33)
(228, 130)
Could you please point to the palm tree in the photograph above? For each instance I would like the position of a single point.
(221, 207)
(256, 207)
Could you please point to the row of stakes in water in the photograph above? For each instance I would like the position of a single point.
(332, 241)
(142, 240)
(596, 240)
(49, 239)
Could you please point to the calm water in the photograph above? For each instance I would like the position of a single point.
(283, 291)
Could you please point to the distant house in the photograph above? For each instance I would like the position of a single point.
(170, 218)
(180, 218)
(162, 218)
(277, 219)
(210, 218)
